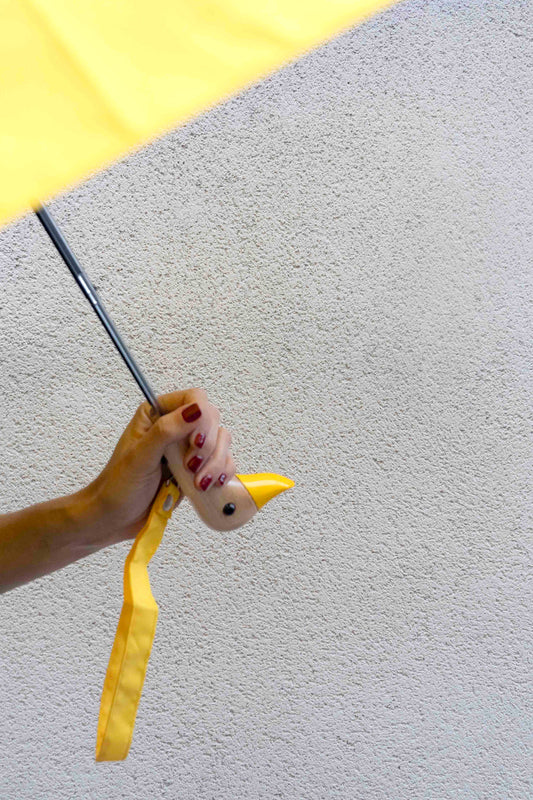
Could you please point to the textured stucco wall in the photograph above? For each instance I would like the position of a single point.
(342, 257)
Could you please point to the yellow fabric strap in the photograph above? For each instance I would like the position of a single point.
(135, 633)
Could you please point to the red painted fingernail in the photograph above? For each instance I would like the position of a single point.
(204, 483)
(194, 463)
(222, 478)
(191, 413)
(200, 439)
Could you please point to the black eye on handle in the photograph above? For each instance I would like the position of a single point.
(228, 509)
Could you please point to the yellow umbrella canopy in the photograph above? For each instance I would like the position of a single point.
(83, 83)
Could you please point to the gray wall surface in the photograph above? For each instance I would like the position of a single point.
(341, 256)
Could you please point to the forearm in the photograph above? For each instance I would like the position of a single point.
(47, 536)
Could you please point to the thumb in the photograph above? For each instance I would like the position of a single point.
(175, 426)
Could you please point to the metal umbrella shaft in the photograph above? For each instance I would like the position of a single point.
(90, 293)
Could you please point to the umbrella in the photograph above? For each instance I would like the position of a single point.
(82, 84)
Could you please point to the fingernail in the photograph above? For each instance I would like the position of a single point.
(204, 483)
(222, 478)
(191, 413)
(194, 463)
(200, 439)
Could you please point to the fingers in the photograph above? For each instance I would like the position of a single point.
(173, 400)
(203, 440)
(214, 469)
(175, 426)
(145, 416)
(188, 418)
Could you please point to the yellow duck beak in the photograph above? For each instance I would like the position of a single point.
(263, 486)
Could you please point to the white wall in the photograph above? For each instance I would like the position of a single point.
(342, 257)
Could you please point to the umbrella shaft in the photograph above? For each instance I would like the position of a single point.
(90, 293)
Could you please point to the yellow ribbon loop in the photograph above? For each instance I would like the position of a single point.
(135, 633)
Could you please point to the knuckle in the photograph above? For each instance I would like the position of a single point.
(146, 411)
(165, 427)
(143, 409)
(215, 414)
(210, 452)
(198, 392)
(212, 436)
(225, 437)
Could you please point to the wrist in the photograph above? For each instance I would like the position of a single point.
(103, 516)
(90, 519)
(47, 536)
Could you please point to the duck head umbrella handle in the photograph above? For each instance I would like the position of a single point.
(233, 504)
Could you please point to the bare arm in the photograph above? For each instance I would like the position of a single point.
(47, 536)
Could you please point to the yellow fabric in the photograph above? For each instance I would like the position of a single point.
(133, 639)
(82, 83)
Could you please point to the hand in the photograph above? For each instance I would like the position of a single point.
(125, 489)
